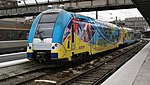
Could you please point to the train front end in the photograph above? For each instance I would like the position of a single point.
(45, 35)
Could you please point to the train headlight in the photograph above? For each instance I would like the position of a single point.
(55, 46)
(29, 46)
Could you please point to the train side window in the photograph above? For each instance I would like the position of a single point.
(125, 35)
(91, 22)
(107, 31)
(83, 20)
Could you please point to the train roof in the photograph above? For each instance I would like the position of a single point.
(52, 10)
(59, 10)
(100, 21)
(129, 29)
(106, 23)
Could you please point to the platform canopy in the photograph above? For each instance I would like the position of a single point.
(8, 4)
(144, 7)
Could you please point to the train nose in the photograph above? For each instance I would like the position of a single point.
(42, 45)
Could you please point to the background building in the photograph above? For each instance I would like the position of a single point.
(8, 3)
(119, 23)
(137, 23)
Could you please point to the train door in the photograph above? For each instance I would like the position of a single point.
(71, 39)
(92, 39)
(93, 43)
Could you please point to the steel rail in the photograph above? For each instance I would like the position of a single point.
(77, 78)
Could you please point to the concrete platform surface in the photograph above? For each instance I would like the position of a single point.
(135, 72)
(143, 77)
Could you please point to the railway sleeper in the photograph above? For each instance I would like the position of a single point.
(103, 70)
(93, 76)
(79, 84)
(89, 79)
(110, 67)
(106, 67)
(82, 82)
(99, 72)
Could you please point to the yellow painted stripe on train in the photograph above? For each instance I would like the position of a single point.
(29, 51)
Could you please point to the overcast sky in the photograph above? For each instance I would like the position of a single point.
(108, 15)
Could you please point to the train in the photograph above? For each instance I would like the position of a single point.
(13, 34)
(56, 35)
(13, 30)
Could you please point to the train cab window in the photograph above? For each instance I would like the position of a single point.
(48, 18)
(45, 25)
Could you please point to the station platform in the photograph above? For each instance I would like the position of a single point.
(135, 72)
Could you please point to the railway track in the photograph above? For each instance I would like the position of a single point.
(101, 72)
(28, 76)
(18, 79)
(15, 75)
(67, 77)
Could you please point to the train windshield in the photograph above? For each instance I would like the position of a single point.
(46, 25)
